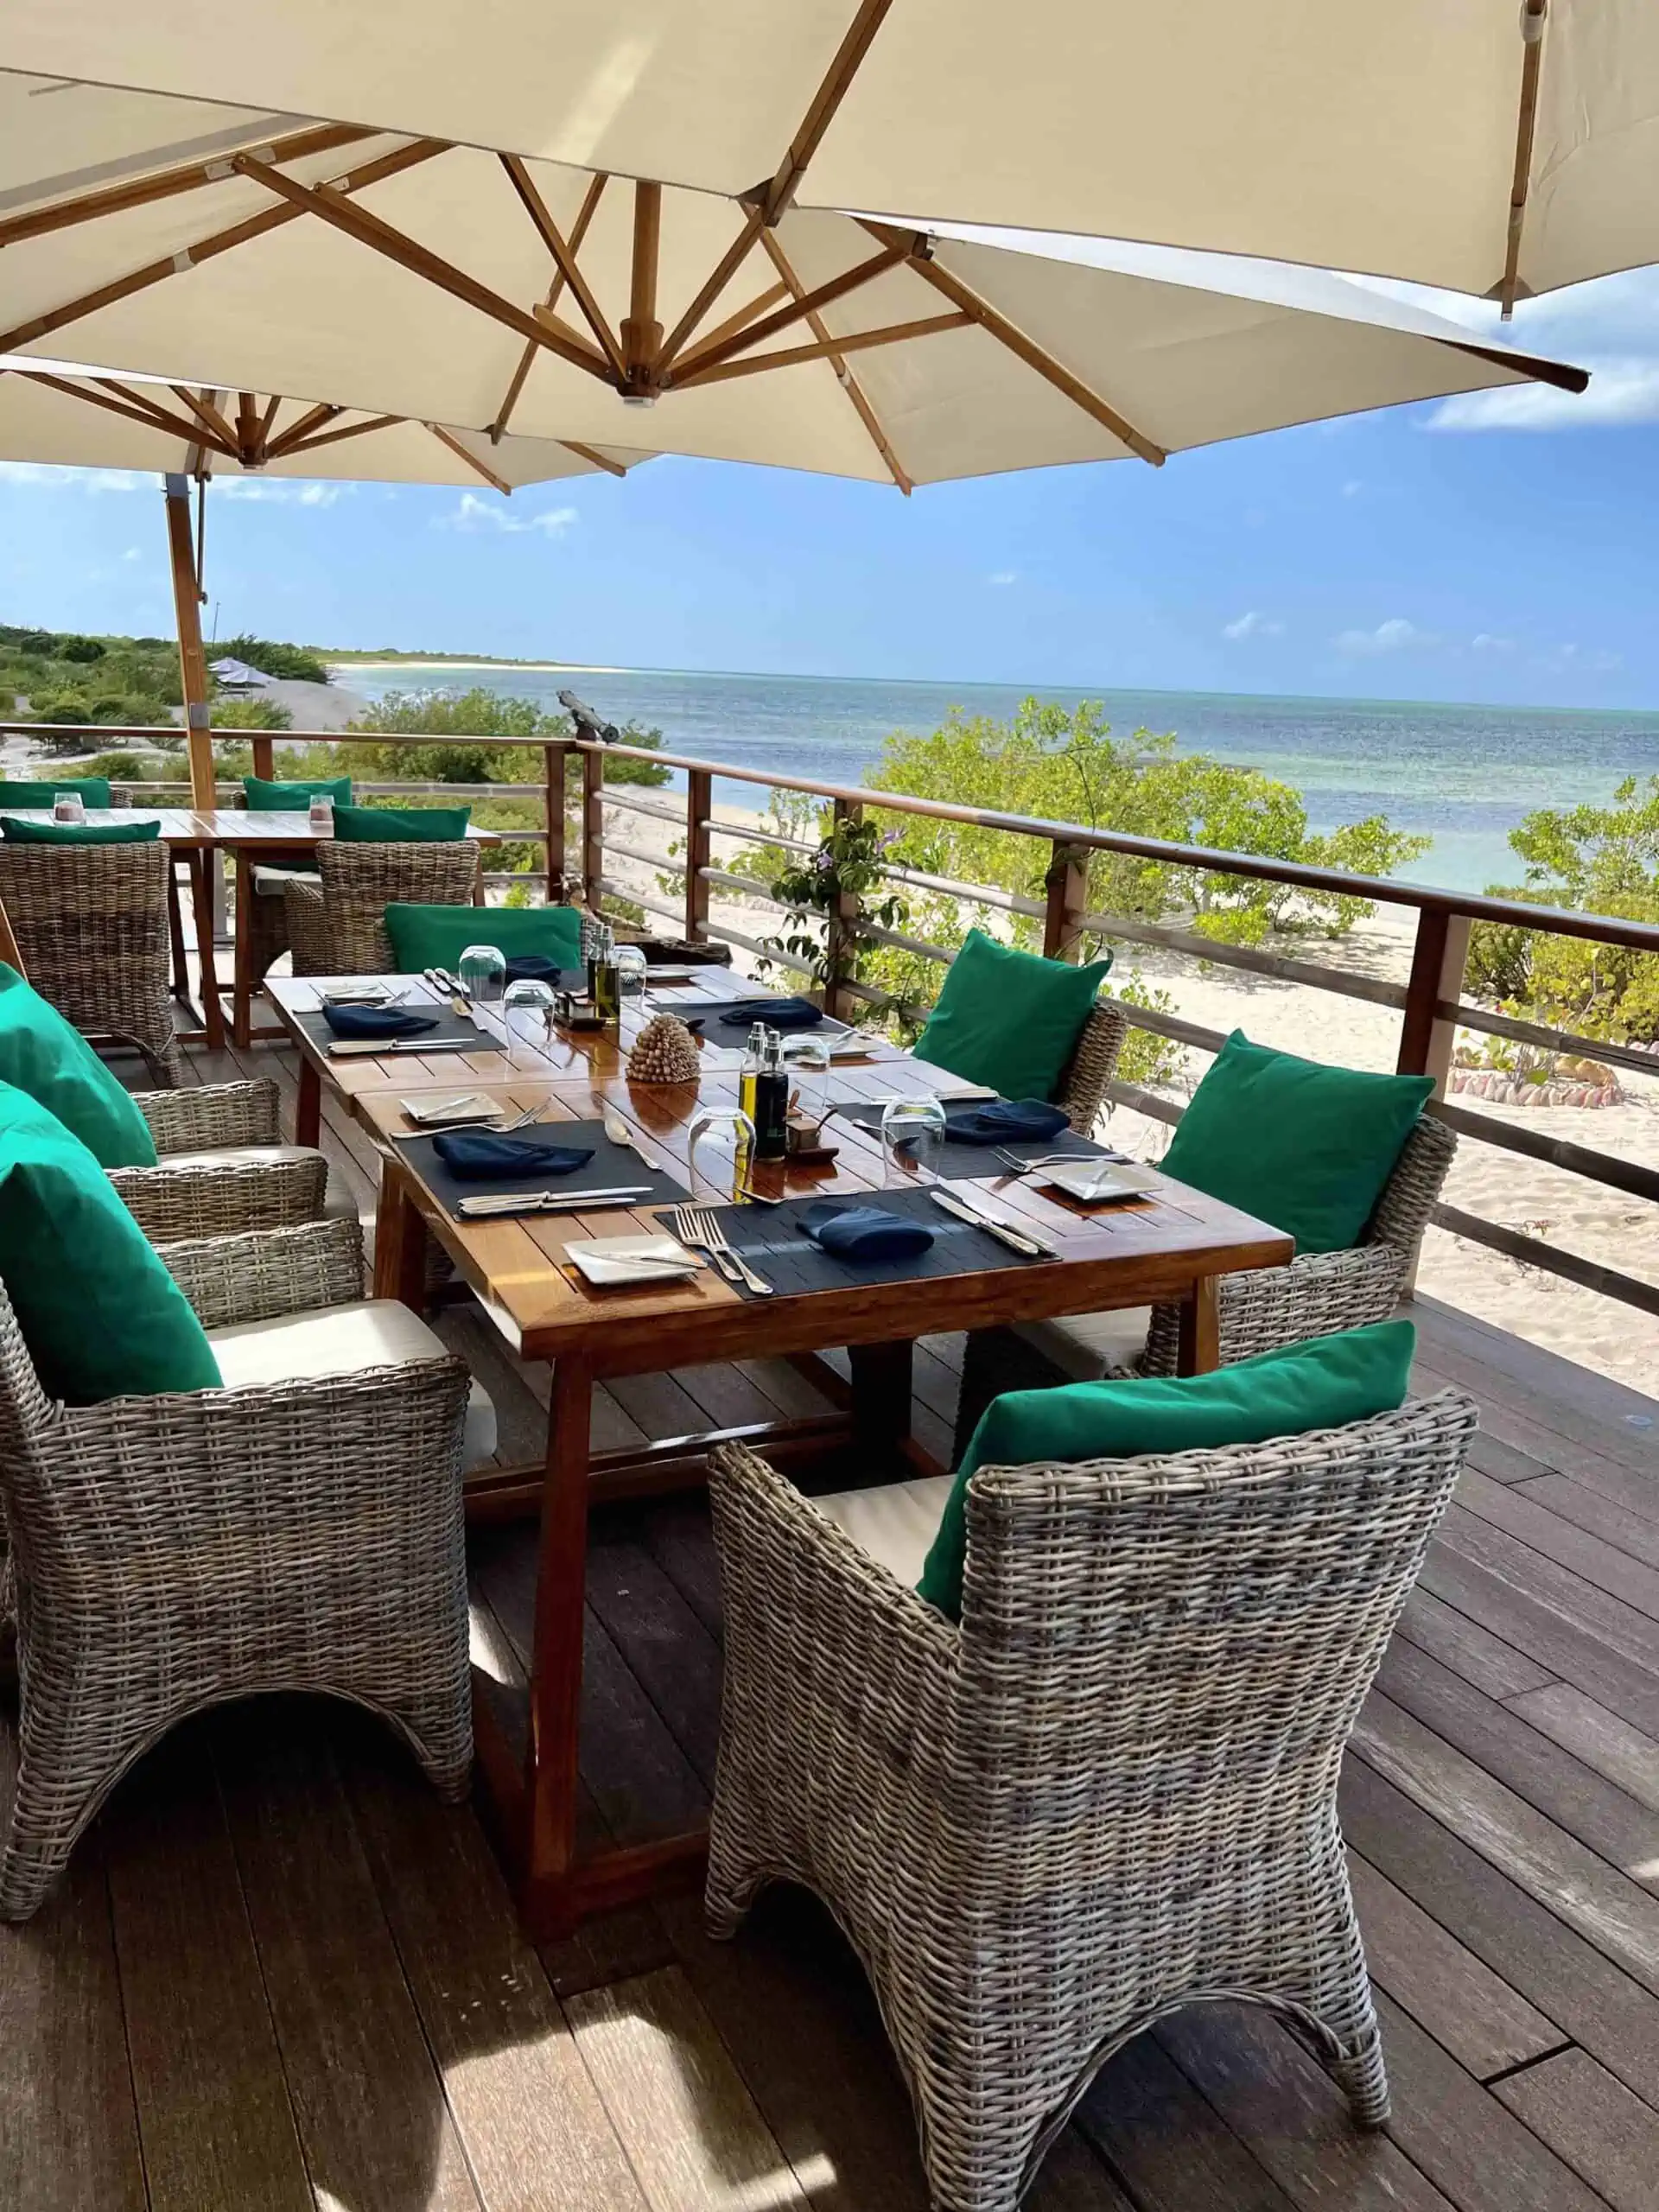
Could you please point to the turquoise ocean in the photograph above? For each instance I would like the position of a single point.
(1462, 775)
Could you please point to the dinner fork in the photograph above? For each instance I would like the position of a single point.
(696, 1226)
(471, 1121)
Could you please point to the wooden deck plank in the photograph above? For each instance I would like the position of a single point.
(1170, 2149)
(214, 2118)
(1518, 1509)
(1599, 1739)
(1563, 1589)
(1508, 1748)
(1468, 1648)
(1464, 2140)
(664, 1642)
(68, 2131)
(1562, 1873)
(534, 2130)
(1593, 2122)
(369, 2103)
(693, 2133)
(1591, 1999)
(680, 1538)
(1486, 2025)
(1634, 1533)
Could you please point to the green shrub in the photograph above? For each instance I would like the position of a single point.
(250, 713)
(289, 664)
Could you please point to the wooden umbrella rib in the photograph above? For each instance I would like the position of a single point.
(205, 411)
(712, 285)
(565, 259)
(828, 98)
(267, 421)
(357, 223)
(334, 437)
(142, 407)
(152, 419)
(115, 199)
(758, 305)
(496, 483)
(1033, 355)
(837, 288)
(206, 249)
(827, 348)
(527, 358)
(1533, 17)
(849, 383)
(313, 419)
(593, 453)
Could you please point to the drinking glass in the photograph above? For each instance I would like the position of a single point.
(806, 1062)
(720, 1147)
(913, 1139)
(483, 973)
(320, 814)
(68, 806)
(534, 1001)
(630, 965)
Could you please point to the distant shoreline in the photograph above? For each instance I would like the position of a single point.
(356, 660)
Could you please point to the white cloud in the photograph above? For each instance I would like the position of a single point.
(1595, 658)
(1395, 635)
(84, 480)
(279, 492)
(1352, 488)
(476, 514)
(1253, 625)
(133, 553)
(1004, 577)
(1484, 642)
(1620, 392)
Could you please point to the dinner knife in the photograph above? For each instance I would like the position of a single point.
(360, 1048)
(1032, 1247)
(549, 1201)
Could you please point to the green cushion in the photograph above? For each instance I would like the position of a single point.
(1305, 1147)
(1009, 1019)
(294, 798)
(435, 936)
(100, 1314)
(1324, 1383)
(390, 825)
(94, 791)
(78, 833)
(41, 1054)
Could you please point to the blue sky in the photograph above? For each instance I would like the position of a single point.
(1504, 548)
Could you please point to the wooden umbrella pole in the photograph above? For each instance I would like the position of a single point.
(193, 666)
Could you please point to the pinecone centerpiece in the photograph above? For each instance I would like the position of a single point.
(663, 1052)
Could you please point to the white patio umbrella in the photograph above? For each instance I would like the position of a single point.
(450, 285)
(1487, 146)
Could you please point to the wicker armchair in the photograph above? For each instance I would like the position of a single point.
(91, 923)
(1083, 1087)
(1110, 1793)
(223, 1166)
(336, 921)
(1316, 1295)
(298, 1529)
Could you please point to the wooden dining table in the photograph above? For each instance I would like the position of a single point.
(1172, 1244)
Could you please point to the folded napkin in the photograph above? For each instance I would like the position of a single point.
(864, 1232)
(1005, 1121)
(476, 1157)
(538, 967)
(777, 1013)
(377, 1022)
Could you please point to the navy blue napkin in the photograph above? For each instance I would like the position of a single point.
(378, 1022)
(864, 1232)
(475, 1157)
(777, 1013)
(1005, 1121)
(538, 967)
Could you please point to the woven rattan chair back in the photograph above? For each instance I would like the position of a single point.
(1083, 1087)
(1111, 1794)
(337, 925)
(91, 923)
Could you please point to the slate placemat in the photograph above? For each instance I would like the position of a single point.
(968, 1163)
(612, 1167)
(775, 1245)
(451, 1033)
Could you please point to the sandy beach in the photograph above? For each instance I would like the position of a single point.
(1497, 1185)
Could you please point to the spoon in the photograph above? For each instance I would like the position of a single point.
(619, 1133)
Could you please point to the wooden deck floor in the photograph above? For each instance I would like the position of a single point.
(282, 1976)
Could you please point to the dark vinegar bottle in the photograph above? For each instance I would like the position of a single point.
(771, 1110)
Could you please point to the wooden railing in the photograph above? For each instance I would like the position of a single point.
(1431, 1003)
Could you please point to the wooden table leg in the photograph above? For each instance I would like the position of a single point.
(399, 1240)
(308, 1110)
(201, 887)
(242, 969)
(881, 1385)
(175, 935)
(550, 1773)
(1200, 1349)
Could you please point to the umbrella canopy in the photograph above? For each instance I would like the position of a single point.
(1487, 146)
(78, 421)
(442, 284)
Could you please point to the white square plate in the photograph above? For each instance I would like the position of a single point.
(606, 1260)
(465, 1106)
(1097, 1182)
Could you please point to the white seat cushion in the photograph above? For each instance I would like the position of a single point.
(895, 1523)
(342, 1340)
(1086, 1346)
(338, 1204)
(271, 883)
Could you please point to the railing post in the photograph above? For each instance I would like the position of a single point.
(841, 928)
(264, 755)
(1067, 887)
(1426, 1039)
(699, 805)
(553, 760)
(593, 826)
